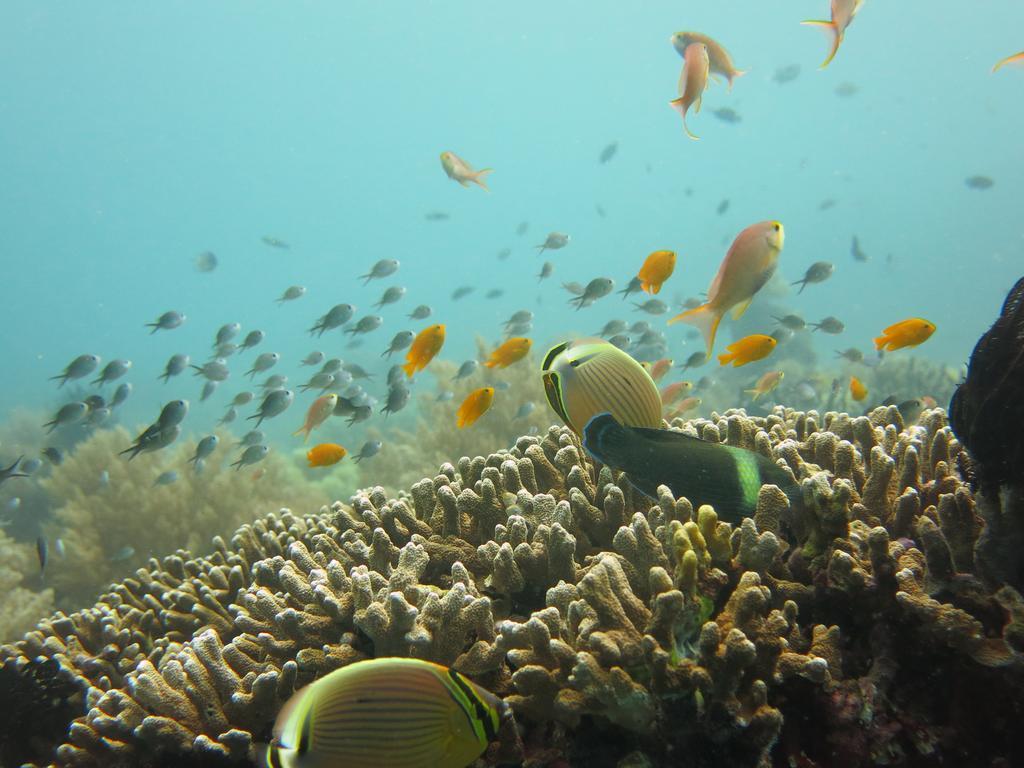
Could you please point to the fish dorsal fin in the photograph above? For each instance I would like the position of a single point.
(739, 309)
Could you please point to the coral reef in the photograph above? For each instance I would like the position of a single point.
(111, 517)
(849, 629)
(22, 607)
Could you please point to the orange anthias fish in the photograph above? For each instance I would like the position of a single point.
(673, 391)
(656, 270)
(318, 412)
(423, 349)
(325, 454)
(474, 406)
(686, 405)
(659, 368)
(906, 333)
(463, 172)
(747, 350)
(749, 264)
(718, 58)
(511, 351)
(857, 389)
(692, 82)
(1017, 58)
(843, 12)
(766, 384)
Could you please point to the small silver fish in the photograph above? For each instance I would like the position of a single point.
(175, 365)
(576, 289)
(263, 362)
(468, 368)
(652, 307)
(398, 398)
(242, 398)
(829, 325)
(124, 553)
(612, 327)
(396, 375)
(226, 333)
(206, 261)
(818, 272)
(390, 296)
(213, 370)
(227, 349)
(445, 397)
(81, 366)
(366, 324)
(319, 380)
(462, 291)
(313, 358)
(252, 339)
(274, 381)
(115, 369)
(30, 466)
(370, 449)
(635, 285)
(229, 416)
(399, 341)
(554, 242)
(59, 547)
(792, 322)
(67, 414)
(42, 551)
(168, 321)
(204, 448)
(292, 293)
(596, 289)
(166, 478)
(357, 371)
(520, 316)
(336, 317)
(360, 413)
(209, 388)
(545, 271)
(382, 268)
(420, 313)
(252, 437)
(251, 455)
(274, 404)
(52, 453)
(620, 341)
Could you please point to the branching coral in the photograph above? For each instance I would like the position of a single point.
(584, 604)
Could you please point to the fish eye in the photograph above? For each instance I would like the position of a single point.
(776, 226)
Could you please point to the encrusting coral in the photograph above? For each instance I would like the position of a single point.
(847, 630)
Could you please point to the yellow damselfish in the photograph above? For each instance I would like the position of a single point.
(474, 406)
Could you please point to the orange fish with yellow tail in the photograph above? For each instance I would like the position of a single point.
(325, 454)
(657, 268)
(748, 349)
(749, 264)
(474, 406)
(906, 333)
(511, 351)
(423, 349)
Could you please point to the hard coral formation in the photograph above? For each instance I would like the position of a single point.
(849, 629)
(111, 516)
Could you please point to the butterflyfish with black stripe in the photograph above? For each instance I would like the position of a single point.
(393, 712)
(588, 376)
(727, 477)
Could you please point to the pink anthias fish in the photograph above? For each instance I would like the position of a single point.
(317, 414)
(692, 81)
(843, 12)
(463, 172)
(719, 60)
(749, 264)
(1017, 58)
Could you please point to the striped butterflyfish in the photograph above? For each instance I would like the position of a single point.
(724, 476)
(386, 713)
(585, 377)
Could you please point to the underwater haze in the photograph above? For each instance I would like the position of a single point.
(513, 167)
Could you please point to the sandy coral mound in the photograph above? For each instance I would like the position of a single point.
(849, 629)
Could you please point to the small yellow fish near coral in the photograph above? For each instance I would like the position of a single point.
(1017, 58)
(766, 384)
(749, 264)
(747, 350)
(656, 270)
(474, 406)
(511, 351)
(463, 172)
(905, 333)
(325, 454)
(843, 12)
(693, 81)
(423, 349)
(385, 712)
(857, 389)
(719, 60)
(317, 414)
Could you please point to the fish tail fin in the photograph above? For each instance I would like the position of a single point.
(880, 342)
(830, 29)
(735, 74)
(754, 393)
(679, 106)
(706, 321)
(409, 368)
(490, 363)
(479, 178)
(726, 358)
